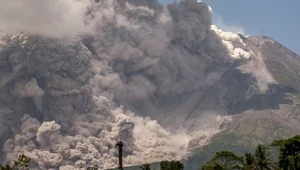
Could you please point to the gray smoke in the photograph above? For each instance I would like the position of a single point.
(75, 100)
(55, 18)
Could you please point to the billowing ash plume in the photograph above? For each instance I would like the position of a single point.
(55, 18)
(48, 79)
(66, 102)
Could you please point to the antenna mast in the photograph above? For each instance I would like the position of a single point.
(120, 145)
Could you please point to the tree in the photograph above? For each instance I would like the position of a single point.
(211, 165)
(225, 160)
(289, 152)
(145, 167)
(171, 165)
(249, 160)
(294, 162)
(262, 159)
(22, 163)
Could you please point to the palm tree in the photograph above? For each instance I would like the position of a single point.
(294, 162)
(145, 167)
(249, 161)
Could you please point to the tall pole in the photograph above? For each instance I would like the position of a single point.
(120, 145)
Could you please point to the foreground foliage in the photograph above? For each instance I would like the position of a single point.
(22, 163)
(171, 165)
(289, 153)
(280, 155)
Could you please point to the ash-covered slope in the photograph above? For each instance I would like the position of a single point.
(263, 117)
(160, 78)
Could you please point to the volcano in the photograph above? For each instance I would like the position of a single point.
(162, 79)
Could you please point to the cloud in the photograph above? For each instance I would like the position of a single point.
(44, 17)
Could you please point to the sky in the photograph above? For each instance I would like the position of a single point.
(276, 19)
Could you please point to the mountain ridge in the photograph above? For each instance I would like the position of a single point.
(250, 128)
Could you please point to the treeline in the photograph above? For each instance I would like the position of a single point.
(279, 155)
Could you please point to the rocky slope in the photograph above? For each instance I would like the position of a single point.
(262, 118)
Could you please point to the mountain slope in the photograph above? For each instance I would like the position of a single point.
(261, 119)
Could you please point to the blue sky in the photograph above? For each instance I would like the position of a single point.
(278, 19)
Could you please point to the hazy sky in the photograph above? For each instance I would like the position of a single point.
(277, 19)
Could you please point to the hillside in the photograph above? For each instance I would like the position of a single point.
(263, 118)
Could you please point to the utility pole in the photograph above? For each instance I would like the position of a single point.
(120, 145)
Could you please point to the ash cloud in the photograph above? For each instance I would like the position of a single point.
(75, 101)
(55, 18)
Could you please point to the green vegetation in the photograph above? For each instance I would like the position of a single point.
(171, 165)
(22, 163)
(287, 153)
(241, 136)
(224, 160)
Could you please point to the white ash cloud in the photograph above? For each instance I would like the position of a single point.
(235, 45)
(153, 142)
